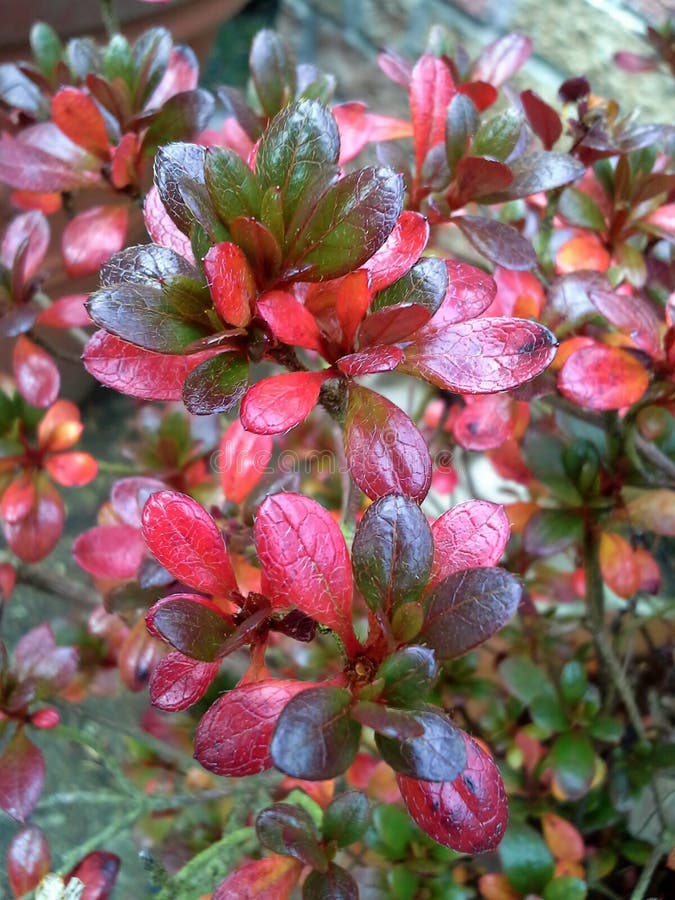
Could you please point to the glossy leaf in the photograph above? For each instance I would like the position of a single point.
(305, 561)
(271, 878)
(22, 773)
(173, 163)
(28, 860)
(290, 321)
(551, 531)
(336, 884)
(424, 284)
(181, 117)
(385, 451)
(232, 187)
(475, 177)
(92, 237)
(37, 377)
(540, 171)
(177, 681)
(145, 264)
(79, 118)
(290, 831)
(231, 283)
(481, 356)
(35, 534)
(315, 737)
(580, 209)
(572, 760)
(635, 316)
(468, 814)
(272, 71)
(602, 377)
(438, 754)
(192, 625)
(525, 858)
(407, 675)
(431, 90)
(470, 534)
(497, 136)
(216, 385)
(233, 737)
(184, 539)
(501, 243)
(28, 235)
(397, 724)
(345, 819)
(400, 251)
(392, 552)
(461, 124)
(97, 871)
(358, 127)
(276, 404)
(71, 469)
(243, 458)
(367, 362)
(501, 59)
(467, 608)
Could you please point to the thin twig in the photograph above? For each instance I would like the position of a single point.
(47, 580)
(641, 888)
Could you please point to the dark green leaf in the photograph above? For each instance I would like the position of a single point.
(335, 884)
(290, 831)
(565, 888)
(467, 608)
(198, 204)
(547, 713)
(501, 243)
(216, 385)
(346, 818)
(523, 679)
(393, 723)
(580, 209)
(349, 223)
(525, 858)
(439, 754)
(232, 186)
(425, 285)
(117, 60)
(572, 759)
(497, 137)
(407, 675)
(551, 531)
(541, 171)
(392, 552)
(144, 264)
(182, 117)
(315, 737)
(151, 54)
(192, 625)
(173, 163)
(573, 681)
(394, 828)
(460, 126)
(272, 71)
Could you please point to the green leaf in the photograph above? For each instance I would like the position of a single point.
(438, 754)
(192, 625)
(392, 552)
(497, 137)
(174, 164)
(523, 679)
(233, 188)
(566, 888)
(272, 71)
(581, 210)
(573, 681)
(425, 285)
(216, 385)
(299, 148)
(290, 831)
(604, 728)
(46, 46)
(346, 818)
(182, 117)
(397, 724)
(547, 713)
(551, 531)
(393, 827)
(408, 675)
(460, 126)
(335, 884)
(117, 60)
(572, 759)
(348, 224)
(525, 858)
(315, 736)
(644, 818)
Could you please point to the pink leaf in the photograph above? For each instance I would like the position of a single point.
(162, 229)
(128, 496)
(178, 681)
(502, 58)
(67, 312)
(290, 321)
(138, 372)
(400, 251)
(486, 421)
(91, 238)
(601, 377)
(181, 74)
(22, 774)
(470, 292)
(385, 451)
(470, 534)
(280, 402)
(30, 227)
(243, 459)
(633, 315)
(184, 539)
(370, 361)
(231, 283)
(518, 294)
(71, 469)
(37, 378)
(468, 814)
(37, 656)
(234, 735)
(28, 860)
(481, 356)
(30, 168)
(431, 90)
(271, 878)
(359, 127)
(110, 551)
(35, 535)
(305, 562)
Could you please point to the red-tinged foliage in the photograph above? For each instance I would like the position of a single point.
(400, 251)
(518, 294)
(385, 451)
(468, 814)
(368, 362)
(563, 839)
(582, 253)
(124, 165)
(233, 737)
(601, 377)
(32, 230)
(110, 551)
(305, 562)
(289, 321)
(431, 89)
(7, 581)
(544, 120)
(501, 59)
(71, 469)
(231, 282)
(75, 112)
(60, 427)
(618, 565)
(98, 872)
(37, 377)
(28, 167)
(271, 878)
(359, 127)
(279, 403)
(46, 718)
(633, 315)
(22, 774)
(488, 421)
(91, 238)
(162, 229)
(28, 860)
(654, 510)
(470, 534)
(177, 681)
(66, 312)
(183, 538)
(34, 535)
(38, 657)
(243, 458)
(137, 657)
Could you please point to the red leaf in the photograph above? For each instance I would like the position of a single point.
(602, 377)
(502, 58)
(289, 320)
(272, 878)
(184, 539)
(36, 535)
(28, 860)
(470, 292)
(138, 372)
(518, 294)
(234, 735)
(91, 238)
(618, 565)
(178, 681)
(486, 421)
(67, 312)
(482, 356)
(477, 176)
(400, 251)
(385, 451)
(468, 814)
(30, 168)
(19, 498)
(128, 496)
(305, 562)
(470, 534)
(7, 581)
(181, 74)
(585, 252)
(137, 657)
(80, 119)
(72, 469)
(162, 228)
(351, 302)
(45, 202)
(392, 323)
(110, 551)
(544, 120)
(480, 93)
(632, 315)
(243, 459)
(359, 127)
(60, 427)
(280, 402)
(367, 362)
(431, 90)
(231, 283)
(123, 171)
(98, 872)
(37, 378)
(32, 228)
(22, 774)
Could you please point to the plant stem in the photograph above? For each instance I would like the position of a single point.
(101, 838)
(207, 867)
(45, 579)
(641, 888)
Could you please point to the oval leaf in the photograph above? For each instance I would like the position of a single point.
(279, 403)
(22, 774)
(470, 534)
(438, 754)
(601, 377)
(177, 681)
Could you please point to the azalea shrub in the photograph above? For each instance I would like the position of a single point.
(385, 544)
